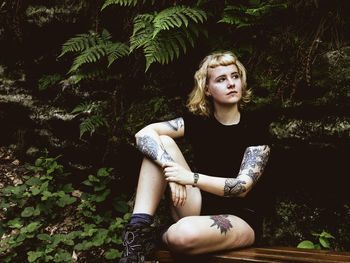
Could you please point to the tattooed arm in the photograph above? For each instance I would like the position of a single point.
(252, 167)
(149, 143)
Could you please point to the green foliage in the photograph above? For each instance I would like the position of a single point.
(31, 208)
(92, 48)
(48, 80)
(123, 3)
(249, 14)
(323, 241)
(163, 34)
(94, 117)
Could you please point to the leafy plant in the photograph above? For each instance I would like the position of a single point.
(123, 3)
(31, 208)
(162, 34)
(94, 117)
(323, 241)
(92, 48)
(249, 14)
(48, 80)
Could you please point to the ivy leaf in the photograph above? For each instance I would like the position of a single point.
(27, 212)
(113, 254)
(326, 235)
(66, 200)
(34, 255)
(15, 223)
(306, 244)
(44, 237)
(324, 242)
(62, 256)
(33, 226)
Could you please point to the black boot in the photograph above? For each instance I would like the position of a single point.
(139, 243)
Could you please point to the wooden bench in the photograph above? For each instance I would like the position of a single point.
(257, 254)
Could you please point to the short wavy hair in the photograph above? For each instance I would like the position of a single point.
(198, 102)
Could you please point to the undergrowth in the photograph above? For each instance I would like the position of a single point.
(48, 220)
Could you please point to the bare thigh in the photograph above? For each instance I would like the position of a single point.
(203, 234)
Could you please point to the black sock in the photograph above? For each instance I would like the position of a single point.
(141, 219)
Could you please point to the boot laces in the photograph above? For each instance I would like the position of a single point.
(127, 243)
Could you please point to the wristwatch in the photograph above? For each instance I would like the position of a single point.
(195, 179)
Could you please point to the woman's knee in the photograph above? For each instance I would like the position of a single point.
(167, 141)
(182, 236)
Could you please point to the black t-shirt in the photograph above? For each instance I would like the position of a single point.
(218, 151)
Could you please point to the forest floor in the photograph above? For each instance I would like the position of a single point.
(11, 169)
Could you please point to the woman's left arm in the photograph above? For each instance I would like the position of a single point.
(252, 167)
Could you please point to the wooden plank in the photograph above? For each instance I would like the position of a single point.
(289, 255)
(261, 255)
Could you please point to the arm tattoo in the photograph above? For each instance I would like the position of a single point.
(253, 164)
(234, 187)
(148, 146)
(253, 175)
(255, 156)
(221, 222)
(254, 161)
(175, 124)
(152, 149)
(165, 157)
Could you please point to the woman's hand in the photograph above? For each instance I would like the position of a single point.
(178, 193)
(174, 172)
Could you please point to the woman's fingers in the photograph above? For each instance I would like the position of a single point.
(179, 194)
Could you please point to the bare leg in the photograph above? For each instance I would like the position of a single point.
(203, 234)
(151, 185)
(150, 188)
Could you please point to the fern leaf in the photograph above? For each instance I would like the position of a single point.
(175, 17)
(85, 107)
(115, 51)
(142, 31)
(76, 44)
(119, 2)
(89, 55)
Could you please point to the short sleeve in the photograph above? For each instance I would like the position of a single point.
(259, 133)
(191, 124)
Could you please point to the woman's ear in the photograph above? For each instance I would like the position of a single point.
(206, 91)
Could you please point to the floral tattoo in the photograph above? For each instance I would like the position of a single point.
(221, 222)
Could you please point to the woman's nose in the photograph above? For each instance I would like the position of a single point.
(230, 83)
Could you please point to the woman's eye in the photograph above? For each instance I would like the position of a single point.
(221, 79)
(236, 76)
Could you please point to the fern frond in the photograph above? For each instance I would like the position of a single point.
(48, 80)
(115, 51)
(88, 74)
(177, 16)
(90, 55)
(123, 3)
(85, 107)
(78, 43)
(142, 32)
(164, 48)
(91, 124)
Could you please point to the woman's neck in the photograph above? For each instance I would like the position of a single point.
(227, 115)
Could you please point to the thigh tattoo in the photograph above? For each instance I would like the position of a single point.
(221, 222)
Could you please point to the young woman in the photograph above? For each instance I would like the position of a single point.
(209, 205)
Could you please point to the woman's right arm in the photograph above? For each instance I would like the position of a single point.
(149, 143)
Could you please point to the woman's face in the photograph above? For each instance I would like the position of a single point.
(224, 85)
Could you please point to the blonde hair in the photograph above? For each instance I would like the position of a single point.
(198, 102)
